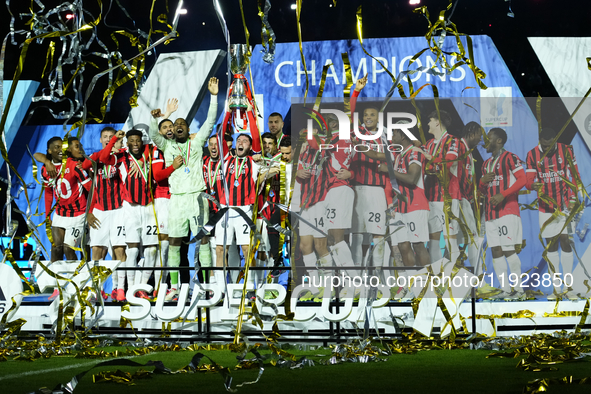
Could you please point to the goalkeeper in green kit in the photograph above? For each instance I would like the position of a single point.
(187, 209)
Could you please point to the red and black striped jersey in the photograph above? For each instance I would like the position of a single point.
(70, 191)
(241, 176)
(271, 190)
(339, 157)
(446, 148)
(466, 170)
(507, 168)
(136, 189)
(415, 194)
(162, 189)
(364, 168)
(315, 188)
(551, 172)
(107, 185)
(214, 183)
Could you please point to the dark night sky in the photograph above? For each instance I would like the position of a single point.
(320, 21)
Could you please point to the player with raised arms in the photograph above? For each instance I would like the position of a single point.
(162, 190)
(140, 222)
(187, 210)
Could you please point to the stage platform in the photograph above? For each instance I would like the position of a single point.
(327, 322)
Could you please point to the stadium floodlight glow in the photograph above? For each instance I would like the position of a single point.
(69, 16)
(183, 11)
(177, 13)
(293, 7)
(414, 2)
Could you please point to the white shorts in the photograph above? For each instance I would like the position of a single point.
(112, 228)
(397, 229)
(140, 224)
(339, 201)
(236, 226)
(437, 217)
(161, 205)
(316, 216)
(74, 227)
(370, 210)
(504, 231)
(468, 218)
(265, 245)
(417, 227)
(553, 228)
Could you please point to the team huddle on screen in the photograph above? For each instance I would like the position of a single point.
(146, 198)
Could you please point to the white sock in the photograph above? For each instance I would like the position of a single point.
(500, 265)
(515, 267)
(357, 248)
(554, 266)
(342, 257)
(162, 276)
(259, 275)
(234, 260)
(121, 278)
(252, 275)
(114, 278)
(434, 250)
(454, 253)
(140, 264)
(310, 264)
(567, 266)
(149, 262)
(131, 261)
(212, 248)
(378, 252)
(473, 253)
(567, 263)
(327, 261)
(218, 277)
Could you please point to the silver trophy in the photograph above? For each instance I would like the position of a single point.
(239, 58)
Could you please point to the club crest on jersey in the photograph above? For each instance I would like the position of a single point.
(104, 174)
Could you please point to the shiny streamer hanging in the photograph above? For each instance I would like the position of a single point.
(445, 26)
(246, 35)
(224, 26)
(267, 34)
(576, 186)
(56, 83)
(254, 242)
(298, 16)
(226, 31)
(435, 47)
